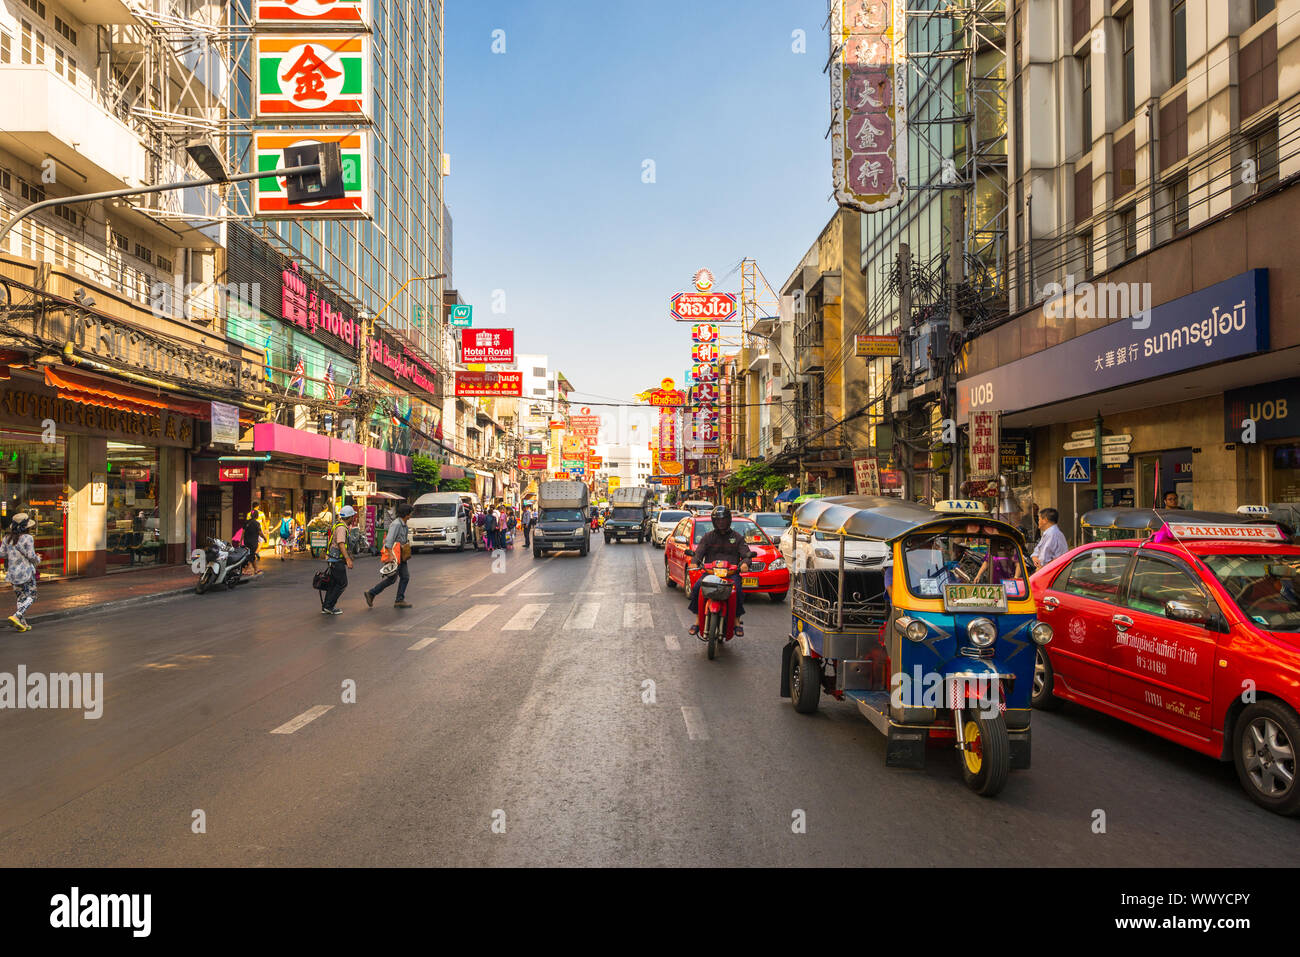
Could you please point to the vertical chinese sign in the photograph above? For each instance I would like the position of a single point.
(868, 102)
(985, 446)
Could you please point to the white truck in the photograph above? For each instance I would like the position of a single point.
(631, 518)
(563, 518)
(440, 520)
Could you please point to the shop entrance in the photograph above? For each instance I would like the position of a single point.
(132, 515)
(208, 519)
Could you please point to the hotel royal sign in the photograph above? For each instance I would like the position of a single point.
(868, 102)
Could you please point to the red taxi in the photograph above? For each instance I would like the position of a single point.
(767, 572)
(1193, 634)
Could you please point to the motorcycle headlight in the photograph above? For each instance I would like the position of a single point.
(982, 632)
(913, 629)
(777, 565)
(823, 553)
(1041, 632)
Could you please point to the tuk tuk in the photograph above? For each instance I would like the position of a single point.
(1109, 524)
(932, 635)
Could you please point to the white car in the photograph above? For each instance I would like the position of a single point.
(817, 551)
(663, 524)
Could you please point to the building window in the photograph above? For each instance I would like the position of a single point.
(1173, 131)
(121, 242)
(1263, 151)
(1257, 72)
(1085, 103)
(1125, 161)
(143, 252)
(33, 194)
(6, 53)
(1261, 8)
(68, 214)
(5, 181)
(38, 7)
(1178, 31)
(1130, 88)
(62, 28)
(1178, 200)
(539, 373)
(1128, 225)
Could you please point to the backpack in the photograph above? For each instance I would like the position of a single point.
(286, 529)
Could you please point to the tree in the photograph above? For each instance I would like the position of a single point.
(456, 485)
(426, 474)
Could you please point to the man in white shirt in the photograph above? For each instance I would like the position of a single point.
(1052, 545)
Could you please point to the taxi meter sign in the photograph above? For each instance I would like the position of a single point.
(1257, 533)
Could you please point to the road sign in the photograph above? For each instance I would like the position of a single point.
(1114, 458)
(359, 489)
(1079, 445)
(1089, 434)
(462, 317)
(1124, 439)
(1077, 469)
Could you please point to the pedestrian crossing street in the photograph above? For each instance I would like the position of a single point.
(581, 613)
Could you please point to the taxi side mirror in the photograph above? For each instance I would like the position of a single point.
(690, 552)
(1193, 612)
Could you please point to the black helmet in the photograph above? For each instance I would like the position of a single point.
(721, 517)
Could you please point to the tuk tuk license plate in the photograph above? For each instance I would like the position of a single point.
(749, 581)
(963, 598)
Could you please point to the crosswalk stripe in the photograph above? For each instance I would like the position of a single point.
(308, 716)
(583, 616)
(469, 618)
(423, 643)
(696, 729)
(636, 614)
(526, 618)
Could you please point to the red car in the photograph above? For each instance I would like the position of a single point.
(767, 572)
(1195, 638)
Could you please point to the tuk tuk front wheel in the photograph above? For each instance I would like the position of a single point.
(805, 682)
(986, 760)
(1044, 677)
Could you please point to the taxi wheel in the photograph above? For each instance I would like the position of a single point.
(1266, 739)
(778, 596)
(805, 682)
(1042, 697)
(668, 579)
(986, 762)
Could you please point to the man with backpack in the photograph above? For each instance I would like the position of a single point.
(395, 543)
(490, 528)
(338, 556)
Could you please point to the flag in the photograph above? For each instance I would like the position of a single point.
(347, 390)
(329, 382)
(299, 376)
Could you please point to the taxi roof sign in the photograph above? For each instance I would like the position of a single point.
(1253, 510)
(1257, 533)
(959, 505)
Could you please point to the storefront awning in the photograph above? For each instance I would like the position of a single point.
(280, 440)
(789, 495)
(451, 472)
(94, 390)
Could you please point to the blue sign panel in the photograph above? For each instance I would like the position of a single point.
(1076, 468)
(1223, 321)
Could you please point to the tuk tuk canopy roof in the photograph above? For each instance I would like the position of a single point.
(885, 519)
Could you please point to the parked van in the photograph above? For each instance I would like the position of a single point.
(440, 520)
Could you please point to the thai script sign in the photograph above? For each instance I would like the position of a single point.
(716, 307)
(489, 383)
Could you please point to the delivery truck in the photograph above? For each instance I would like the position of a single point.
(562, 518)
(631, 518)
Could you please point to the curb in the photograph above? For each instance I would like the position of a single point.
(109, 605)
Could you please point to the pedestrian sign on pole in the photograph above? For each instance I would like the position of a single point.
(1077, 469)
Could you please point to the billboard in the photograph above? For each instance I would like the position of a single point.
(704, 307)
(487, 345)
(868, 102)
(312, 76)
(270, 198)
(532, 462)
(489, 383)
(297, 13)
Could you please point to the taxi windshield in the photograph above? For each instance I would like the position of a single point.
(1263, 585)
(956, 558)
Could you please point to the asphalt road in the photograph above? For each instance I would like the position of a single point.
(506, 719)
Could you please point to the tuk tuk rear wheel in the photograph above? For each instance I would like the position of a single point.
(805, 682)
(1042, 697)
(986, 761)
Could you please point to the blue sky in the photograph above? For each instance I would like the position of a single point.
(547, 143)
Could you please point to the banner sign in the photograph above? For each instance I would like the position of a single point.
(866, 472)
(270, 199)
(705, 352)
(225, 424)
(1258, 533)
(876, 346)
(240, 474)
(715, 307)
(532, 462)
(327, 13)
(868, 102)
(1273, 407)
(312, 76)
(489, 383)
(487, 345)
(985, 451)
(1223, 321)
(704, 372)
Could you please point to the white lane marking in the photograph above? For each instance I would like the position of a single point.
(672, 643)
(423, 643)
(583, 616)
(469, 618)
(308, 716)
(526, 618)
(535, 594)
(654, 576)
(695, 726)
(589, 593)
(636, 614)
(522, 578)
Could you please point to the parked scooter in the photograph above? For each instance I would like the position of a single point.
(222, 564)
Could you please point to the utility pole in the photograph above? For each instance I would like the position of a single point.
(905, 320)
(956, 325)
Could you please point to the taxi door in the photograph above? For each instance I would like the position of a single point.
(675, 545)
(1079, 605)
(1164, 668)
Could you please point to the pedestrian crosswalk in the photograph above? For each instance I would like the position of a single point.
(570, 614)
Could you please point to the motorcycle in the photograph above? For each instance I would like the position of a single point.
(222, 564)
(717, 606)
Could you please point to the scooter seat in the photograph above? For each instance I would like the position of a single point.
(238, 554)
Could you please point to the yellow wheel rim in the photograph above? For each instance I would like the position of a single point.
(974, 754)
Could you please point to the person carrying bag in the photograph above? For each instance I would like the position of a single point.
(338, 560)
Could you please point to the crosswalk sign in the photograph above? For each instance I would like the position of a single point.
(1077, 468)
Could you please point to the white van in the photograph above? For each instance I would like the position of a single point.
(440, 520)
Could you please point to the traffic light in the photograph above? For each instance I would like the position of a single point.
(319, 186)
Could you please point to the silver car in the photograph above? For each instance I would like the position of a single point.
(664, 521)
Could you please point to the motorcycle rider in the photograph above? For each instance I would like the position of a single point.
(721, 544)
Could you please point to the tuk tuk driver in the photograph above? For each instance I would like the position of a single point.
(721, 544)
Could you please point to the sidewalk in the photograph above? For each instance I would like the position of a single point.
(80, 596)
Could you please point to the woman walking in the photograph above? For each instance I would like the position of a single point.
(19, 551)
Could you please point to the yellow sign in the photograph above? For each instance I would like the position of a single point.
(875, 346)
(333, 468)
(614, 482)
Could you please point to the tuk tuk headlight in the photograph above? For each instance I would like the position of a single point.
(913, 629)
(1041, 632)
(982, 632)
